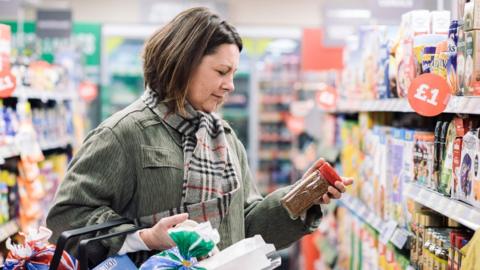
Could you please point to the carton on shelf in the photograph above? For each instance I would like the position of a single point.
(461, 55)
(460, 8)
(468, 167)
(420, 22)
(472, 63)
(440, 21)
(471, 15)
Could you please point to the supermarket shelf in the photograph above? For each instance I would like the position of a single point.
(457, 104)
(456, 210)
(10, 150)
(275, 139)
(56, 144)
(274, 154)
(270, 117)
(8, 229)
(388, 230)
(30, 93)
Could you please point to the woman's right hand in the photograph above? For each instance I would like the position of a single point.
(156, 237)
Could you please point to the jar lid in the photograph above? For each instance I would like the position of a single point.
(329, 173)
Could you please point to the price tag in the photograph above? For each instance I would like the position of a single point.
(377, 224)
(387, 231)
(88, 91)
(429, 94)
(443, 205)
(371, 219)
(8, 82)
(399, 238)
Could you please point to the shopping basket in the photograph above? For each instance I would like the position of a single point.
(83, 245)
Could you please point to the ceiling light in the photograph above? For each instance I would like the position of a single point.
(350, 13)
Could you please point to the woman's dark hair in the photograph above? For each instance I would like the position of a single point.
(173, 52)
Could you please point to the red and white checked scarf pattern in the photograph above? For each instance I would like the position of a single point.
(209, 178)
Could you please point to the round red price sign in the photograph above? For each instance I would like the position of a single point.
(8, 82)
(327, 98)
(428, 94)
(88, 91)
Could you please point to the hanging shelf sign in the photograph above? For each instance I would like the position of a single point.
(428, 95)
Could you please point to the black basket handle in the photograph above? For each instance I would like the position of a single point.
(82, 248)
(68, 235)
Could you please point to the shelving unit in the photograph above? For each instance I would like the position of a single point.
(30, 93)
(456, 104)
(456, 210)
(388, 230)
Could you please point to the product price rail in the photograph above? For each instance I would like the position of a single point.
(456, 210)
(388, 229)
(456, 104)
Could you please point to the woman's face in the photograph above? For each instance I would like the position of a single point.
(212, 80)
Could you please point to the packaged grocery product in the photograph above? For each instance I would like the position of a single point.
(461, 58)
(472, 63)
(427, 59)
(309, 190)
(441, 128)
(440, 60)
(423, 158)
(446, 166)
(36, 253)
(440, 21)
(419, 21)
(461, 8)
(471, 15)
(408, 152)
(395, 185)
(469, 166)
(461, 128)
(452, 58)
(475, 198)
(406, 70)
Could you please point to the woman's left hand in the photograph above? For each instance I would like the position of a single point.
(333, 192)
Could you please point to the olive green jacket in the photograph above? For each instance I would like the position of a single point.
(132, 166)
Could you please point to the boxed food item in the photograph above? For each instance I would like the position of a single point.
(475, 198)
(461, 8)
(469, 166)
(408, 152)
(452, 58)
(439, 21)
(423, 158)
(396, 185)
(446, 170)
(471, 15)
(461, 128)
(439, 155)
(472, 63)
(418, 21)
(441, 59)
(461, 58)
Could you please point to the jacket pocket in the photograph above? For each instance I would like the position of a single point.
(160, 180)
(158, 157)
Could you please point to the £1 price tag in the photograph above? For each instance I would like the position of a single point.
(8, 83)
(429, 94)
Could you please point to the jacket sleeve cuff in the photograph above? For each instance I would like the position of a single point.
(312, 217)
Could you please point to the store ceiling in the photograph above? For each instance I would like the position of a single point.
(339, 18)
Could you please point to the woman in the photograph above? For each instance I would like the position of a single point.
(168, 153)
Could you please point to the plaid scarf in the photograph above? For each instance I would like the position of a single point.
(209, 179)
